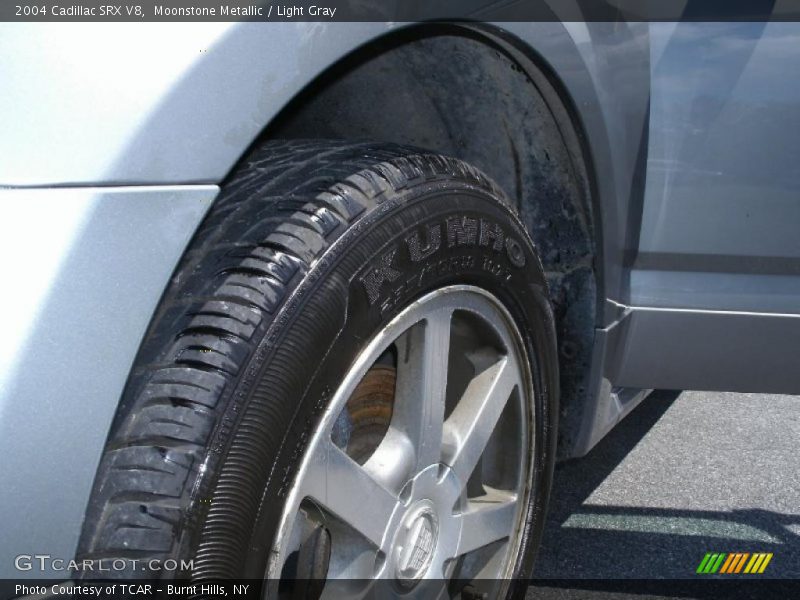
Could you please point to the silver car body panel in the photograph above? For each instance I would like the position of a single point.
(711, 289)
(721, 207)
(706, 350)
(715, 284)
(178, 103)
(138, 157)
(84, 269)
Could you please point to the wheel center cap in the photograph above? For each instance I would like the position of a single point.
(415, 542)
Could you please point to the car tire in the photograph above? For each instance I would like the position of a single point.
(402, 274)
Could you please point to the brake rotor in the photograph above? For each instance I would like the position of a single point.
(369, 412)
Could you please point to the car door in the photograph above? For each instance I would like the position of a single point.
(714, 284)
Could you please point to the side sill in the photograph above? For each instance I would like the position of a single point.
(651, 348)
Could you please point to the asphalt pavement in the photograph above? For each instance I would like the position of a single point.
(683, 475)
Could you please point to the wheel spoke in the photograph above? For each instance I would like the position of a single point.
(486, 520)
(422, 357)
(393, 460)
(350, 492)
(469, 427)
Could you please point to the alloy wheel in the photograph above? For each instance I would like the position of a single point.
(419, 467)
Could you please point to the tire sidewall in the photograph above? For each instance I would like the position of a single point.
(380, 265)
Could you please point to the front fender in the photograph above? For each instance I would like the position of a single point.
(83, 270)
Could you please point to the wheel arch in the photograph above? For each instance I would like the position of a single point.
(484, 96)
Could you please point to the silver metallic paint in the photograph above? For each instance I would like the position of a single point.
(83, 271)
(144, 103)
(722, 203)
(708, 350)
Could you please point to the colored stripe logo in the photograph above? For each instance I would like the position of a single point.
(732, 563)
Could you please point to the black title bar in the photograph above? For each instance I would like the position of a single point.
(398, 10)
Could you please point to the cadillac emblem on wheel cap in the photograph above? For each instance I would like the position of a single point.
(416, 543)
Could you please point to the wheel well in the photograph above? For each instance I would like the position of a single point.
(466, 93)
